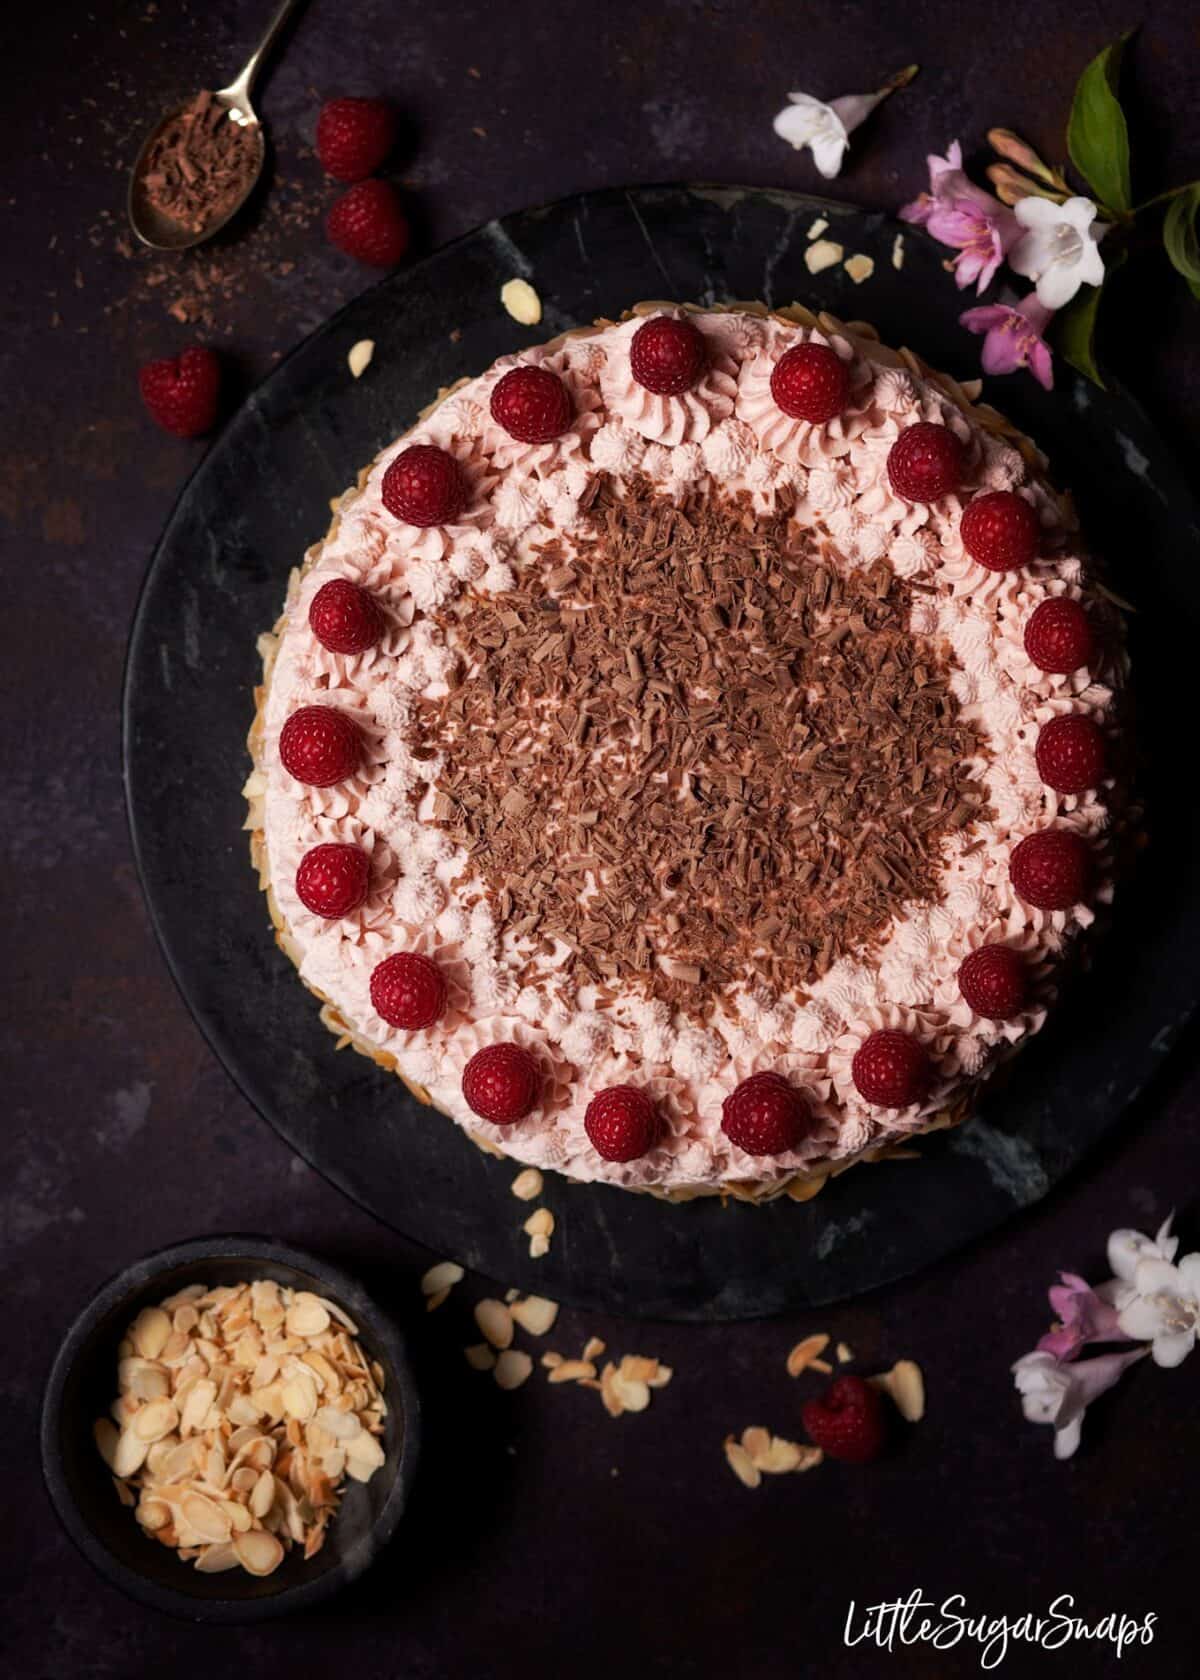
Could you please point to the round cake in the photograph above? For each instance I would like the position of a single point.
(690, 755)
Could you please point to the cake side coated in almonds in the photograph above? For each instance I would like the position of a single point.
(689, 744)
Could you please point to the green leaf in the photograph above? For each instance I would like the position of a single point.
(1181, 237)
(1075, 329)
(1097, 137)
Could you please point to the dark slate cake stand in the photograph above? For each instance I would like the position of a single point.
(217, 579)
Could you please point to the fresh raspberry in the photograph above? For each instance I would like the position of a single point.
(811, 382)
(1070, 753)
(1052, 869)
(621, 1123)
(424, 486)
(992, 980)
(765, 1115)
(319, 746)
(925, 462)
(667, 355)
(354, 136)
(532, 404)
(1058, 637)
(500, 1083)
(344, 618)
(368, 223)
(183, 392)
(408, 991)
(848, 1421)
(891, 1069)
(332, 880)
(1000, 530)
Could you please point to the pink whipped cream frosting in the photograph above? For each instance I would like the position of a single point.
(729, 433)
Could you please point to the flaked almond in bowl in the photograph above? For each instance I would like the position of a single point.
(230, 1430)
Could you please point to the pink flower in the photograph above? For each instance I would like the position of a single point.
(962, 215)
(1015, 337)
(1083, 1317)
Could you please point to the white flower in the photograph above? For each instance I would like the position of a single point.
(825, 129)
(1126, 1248)
(1056, 1392)
(1162, 1306)
(1060, 249)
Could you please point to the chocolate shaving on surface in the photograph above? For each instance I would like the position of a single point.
(200, 164)
(720, 758)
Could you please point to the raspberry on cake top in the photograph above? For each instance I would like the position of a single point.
(685, 760)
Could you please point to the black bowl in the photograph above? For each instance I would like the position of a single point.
(81, 1388)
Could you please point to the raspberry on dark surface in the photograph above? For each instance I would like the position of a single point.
(848, 1421)
(183, 393)
(369, 224)
(667, 355)
(354, 136)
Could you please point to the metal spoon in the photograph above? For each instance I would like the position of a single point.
(161, 232)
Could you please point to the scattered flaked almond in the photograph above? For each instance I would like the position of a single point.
(360, 356)
(539, 1228)
(479, 1356)
(439, 1299)
(815, 229)
(534, 1314)
(550, 1359)
(495, 1321)
(898, 251)
(859, 267)
(522, 302)
(905, 1383)
(241, 1410)
(512, 1368)
(527, 1186)
(822, 254)
(740, 1462)
(539, 1246)
(844, 1355)
(593, 1348)
(440, 1279)
(805, 1353)
(571, 1370)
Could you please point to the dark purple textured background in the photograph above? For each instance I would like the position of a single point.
(543, 1532)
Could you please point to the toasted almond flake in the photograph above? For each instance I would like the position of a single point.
(818, 227)
(551, 1359)
(571, 1370)
(149, 1332)
(740, 1462)
(859, 267)
(522, 302)
(780, 1457)
(124, 1492)
(898, 251)
(637, 1368)
(535, 1314)
(821, 1365)
(360, 355)
(539, 1247)
(479, 1356)
(300, 1397)
(540, 1223)
(364, 1456)
(433, 1302)
(156, 1419)
(205, 1517)
(634, 1394)
(803, 1354)
(527, 1185)
(214, 1559)
(512, 1368)
(757, 1441)
(610, 1394)
(662, 1376)
(153, 1513)
(495, 1321)
(844, 1355)
(307, 1316)
(440, 1279)
(511, 1295)
(258, 1553)
(905, 1383)
(822, 254)
(129, 1454)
